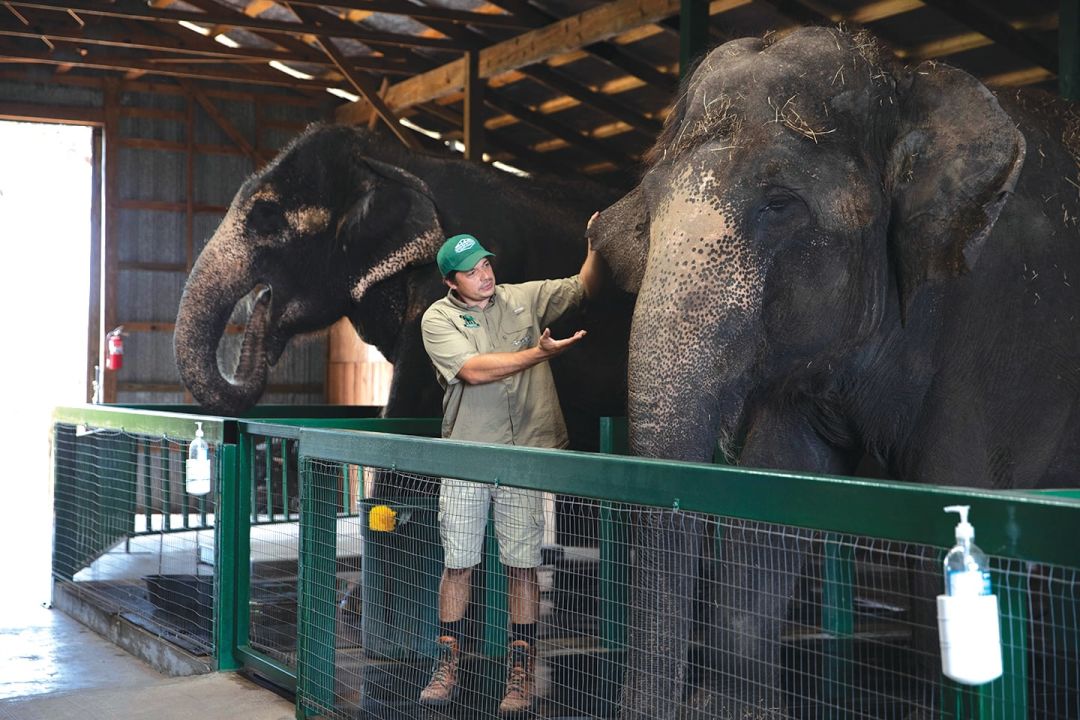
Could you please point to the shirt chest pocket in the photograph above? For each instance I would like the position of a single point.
(516, 332)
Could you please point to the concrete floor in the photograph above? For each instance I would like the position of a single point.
(54, 668)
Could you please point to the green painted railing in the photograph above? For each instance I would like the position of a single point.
(1037, 527)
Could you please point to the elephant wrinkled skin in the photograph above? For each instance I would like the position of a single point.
(835, 257)
(345, 223)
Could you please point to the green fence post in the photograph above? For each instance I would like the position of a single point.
(285, 478)
(837, 624)
(614, 549)
(318, 589)
(496, 609)
(166, 484)
(65, 502)
(231, 566)
(148, 493)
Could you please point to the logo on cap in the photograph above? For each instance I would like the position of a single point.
(464, 244)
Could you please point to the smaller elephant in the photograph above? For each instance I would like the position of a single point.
(345, 223)
(835, 257)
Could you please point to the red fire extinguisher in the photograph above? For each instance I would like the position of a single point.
(114, 349)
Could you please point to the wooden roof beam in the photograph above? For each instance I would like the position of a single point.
(361, 83)
(998, 30)
(129, 64)
(222, 122)
(192, 48)
(555, 129)
(421, 12)
(137, 11)
(600, 23)
(970, 41)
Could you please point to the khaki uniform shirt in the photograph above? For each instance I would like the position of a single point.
(522, 409)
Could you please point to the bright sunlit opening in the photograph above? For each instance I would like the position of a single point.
(45, 194)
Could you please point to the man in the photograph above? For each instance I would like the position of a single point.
(490, 356)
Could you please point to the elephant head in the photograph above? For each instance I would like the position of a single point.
(801, 195)
(313, 233)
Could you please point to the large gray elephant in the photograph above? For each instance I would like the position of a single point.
(836, 257)
(345, 223)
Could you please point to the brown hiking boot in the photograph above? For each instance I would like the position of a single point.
(519, 679)
(443, 685)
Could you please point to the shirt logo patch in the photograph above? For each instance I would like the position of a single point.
(462, 245)
(519, 310)
(470, 321)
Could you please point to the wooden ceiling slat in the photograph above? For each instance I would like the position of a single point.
(128, 9)
(554, 128)
(221, 121)
(130, 64)
(970, 41)
(212, 50)
(998, 30)
(599, 23)
(422, 12)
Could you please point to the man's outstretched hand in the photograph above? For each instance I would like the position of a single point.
(552, 347)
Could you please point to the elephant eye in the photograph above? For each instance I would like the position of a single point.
(781, 211)
(265, 218)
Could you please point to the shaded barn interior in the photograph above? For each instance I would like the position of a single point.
(191, 97)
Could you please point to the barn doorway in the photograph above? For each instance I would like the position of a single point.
(46, 195)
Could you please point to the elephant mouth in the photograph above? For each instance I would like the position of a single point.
(201, 353)
(254, 349)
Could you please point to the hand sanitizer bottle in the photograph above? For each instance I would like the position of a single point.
(968, 611)
(198, 464)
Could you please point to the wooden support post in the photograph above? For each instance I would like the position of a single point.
(110, 273)
(693, 31)
(1069, 50)
(474, 108)
(94, 333)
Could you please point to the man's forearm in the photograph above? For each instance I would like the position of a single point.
(490, 367)
(593, 274)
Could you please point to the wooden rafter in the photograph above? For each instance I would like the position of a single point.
(134, 38)
(127, 9)
(222, 122)
(361, 83)
(190, 46)
(600, 23)
(998, 30)
(422, 12)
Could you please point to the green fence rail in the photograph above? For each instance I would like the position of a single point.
(1028, 527)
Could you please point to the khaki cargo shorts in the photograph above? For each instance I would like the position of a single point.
(463, 515)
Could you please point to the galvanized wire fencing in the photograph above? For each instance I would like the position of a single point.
(648, 612)
(128, 536)
(664, 590)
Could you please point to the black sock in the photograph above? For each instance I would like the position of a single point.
(453, 629)
(523, 631)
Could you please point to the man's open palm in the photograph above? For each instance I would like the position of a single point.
(551, 346)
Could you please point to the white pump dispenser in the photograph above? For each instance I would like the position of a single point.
(968, 611)
(198, 464)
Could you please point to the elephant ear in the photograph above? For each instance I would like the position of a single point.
(393, 225)
(621, 235)
(955, 161)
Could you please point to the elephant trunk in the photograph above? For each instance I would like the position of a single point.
(687, 383)
(205, 309)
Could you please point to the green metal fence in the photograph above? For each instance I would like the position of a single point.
(308, 593)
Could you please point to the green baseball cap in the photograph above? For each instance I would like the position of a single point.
(460, 252)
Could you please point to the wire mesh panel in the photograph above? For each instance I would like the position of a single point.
(129, 538)
(275, 536)
(274, 528)
(648, 613)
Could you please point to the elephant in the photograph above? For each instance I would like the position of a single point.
(837, 257)
(344, 222)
